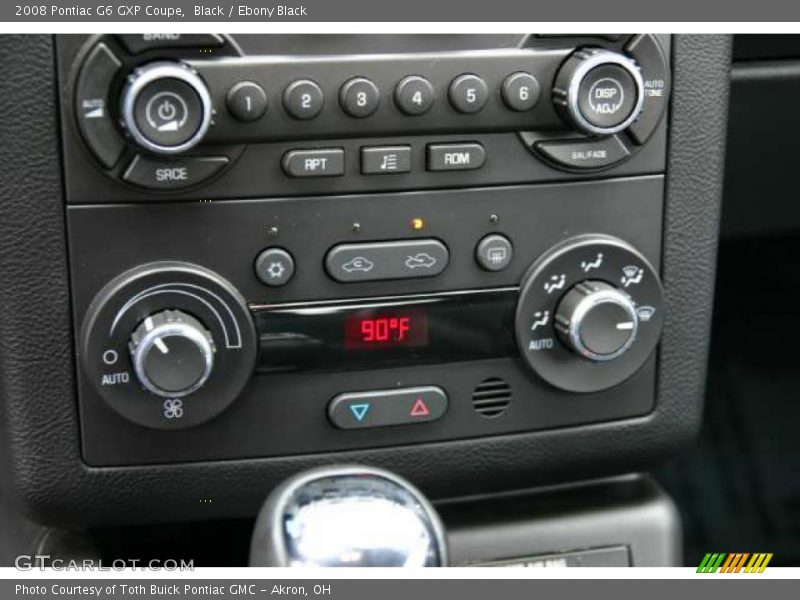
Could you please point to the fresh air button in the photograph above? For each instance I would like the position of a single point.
(455, 157)
(584, 154)
(138, 43)
(405, 406)
(94, 119)
(379, 160)
(327, 162)
(387, 260)
(172, 174)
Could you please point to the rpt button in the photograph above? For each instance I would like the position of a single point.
(327, 162)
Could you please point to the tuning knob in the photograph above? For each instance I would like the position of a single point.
(599, 92)
(166, 107)
(172, 353)
(597, 321)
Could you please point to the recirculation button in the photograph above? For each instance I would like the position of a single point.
(404, 259)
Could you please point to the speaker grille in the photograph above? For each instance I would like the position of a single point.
(491, 397)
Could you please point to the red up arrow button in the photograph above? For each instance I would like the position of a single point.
(420, 409)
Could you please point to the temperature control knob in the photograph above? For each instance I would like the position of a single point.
(166, 107)
(599, 92)
(597, 321)
(172, 353)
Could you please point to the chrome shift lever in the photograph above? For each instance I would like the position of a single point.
(347, 517)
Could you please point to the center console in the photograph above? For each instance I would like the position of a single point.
(459, 257)
(369, 311)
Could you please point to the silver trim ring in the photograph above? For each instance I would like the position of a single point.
(586, 304)
(597, 59)
(172, 329)
(147, 74)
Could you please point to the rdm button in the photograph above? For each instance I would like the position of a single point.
(382, 408)
(172, 174)
(455, 157)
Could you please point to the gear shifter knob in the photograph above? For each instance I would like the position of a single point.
(347, 517)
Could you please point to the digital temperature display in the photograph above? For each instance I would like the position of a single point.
(407, 328)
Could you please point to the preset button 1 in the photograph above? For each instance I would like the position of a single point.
(247, 101)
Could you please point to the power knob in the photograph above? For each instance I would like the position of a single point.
(166, 107)
(599, 92)
(172, 354)
(597, 321)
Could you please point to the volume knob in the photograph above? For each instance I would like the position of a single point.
(166, 107)
(172, 353)
(599, 92)
(597, 321)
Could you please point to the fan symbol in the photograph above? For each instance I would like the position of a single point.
(276, 270)
(173, 408)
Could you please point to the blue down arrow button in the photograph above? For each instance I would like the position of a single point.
(359, 410)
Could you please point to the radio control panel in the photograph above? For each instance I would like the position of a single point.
(278, 253)
(157, 119)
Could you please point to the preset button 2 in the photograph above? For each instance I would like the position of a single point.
(303, 99)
